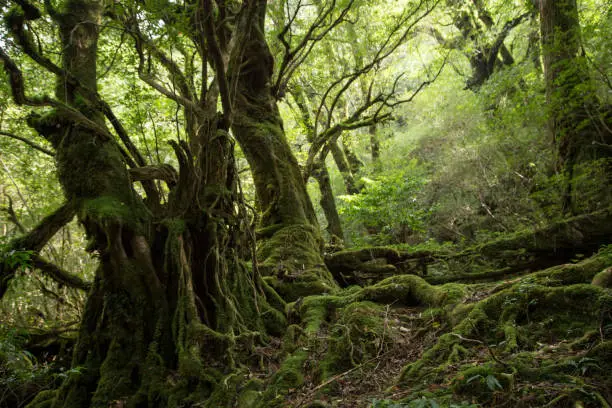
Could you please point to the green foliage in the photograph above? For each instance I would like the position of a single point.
(490, 381)
(13, 258)
(358, 334)
(390, 207)
(21, 375)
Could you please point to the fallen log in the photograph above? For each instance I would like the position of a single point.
(524, 251)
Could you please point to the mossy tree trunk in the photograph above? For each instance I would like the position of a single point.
(290, 239)
(577, 121)
(171, 294)
(488, 53)
(344, 167)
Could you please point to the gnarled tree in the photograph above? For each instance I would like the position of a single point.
(171, 284)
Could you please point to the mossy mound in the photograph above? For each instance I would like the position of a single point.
(292, 264)
(541, 340)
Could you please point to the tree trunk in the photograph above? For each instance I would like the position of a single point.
(485, 57)
(320, 173)
(169, 296)
(291, 241)
(374, 145)
(328, 203)
(573, 107)
(352, 158)
(344, 168)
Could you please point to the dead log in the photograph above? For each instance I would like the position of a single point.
(524, 251)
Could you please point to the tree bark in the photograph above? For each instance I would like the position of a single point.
(374, 145)
(169, 295)
(289, 229)
(328, 203)
(344, 168)
(353, 160)
(573, 107)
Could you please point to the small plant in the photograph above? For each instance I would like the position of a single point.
(14, 258)
(490, 380)
(20, 373)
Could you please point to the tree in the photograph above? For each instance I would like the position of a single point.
(484, 48)
(578, 123)
(171, 283)
(353, 94)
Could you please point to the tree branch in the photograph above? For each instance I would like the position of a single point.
(17, 84)
(28, 142)
(186, 97)
(163, 172)
(397, 35)
(12, 215)
(36, 239)
(293, 58)
(58, 274)
(220, 69)
(20, 98)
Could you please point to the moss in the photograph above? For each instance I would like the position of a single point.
(358, 334)
(518, 317)
(314, 312)
(291, 338)
(567, 274)
(412, 290)
(272, 295)
(292, 256)
(107, 208)
(308, 284)
(43, 399)
(249, 398)
(250, 394)
(274, 321)
(290, 374)
(318, 404)
(603, 278)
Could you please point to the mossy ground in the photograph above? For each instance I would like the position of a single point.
(539, 339)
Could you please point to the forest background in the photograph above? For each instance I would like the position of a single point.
(163, 181)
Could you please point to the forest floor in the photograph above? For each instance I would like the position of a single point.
(513, 323)
(374, 379)
(535, 338)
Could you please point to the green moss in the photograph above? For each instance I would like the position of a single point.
(106, 208)
(306, 285)
(567, 274)
(274, 321)
(250, 394)
(291, 338)
(314, 312)
(43, 399)
(603, 279)
(412, 290)
(292, 257)
(249, 398)
(290, 374)
(358, 334)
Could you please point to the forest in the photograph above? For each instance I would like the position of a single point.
(305, 203)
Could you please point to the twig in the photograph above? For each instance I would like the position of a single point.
(28, 142)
